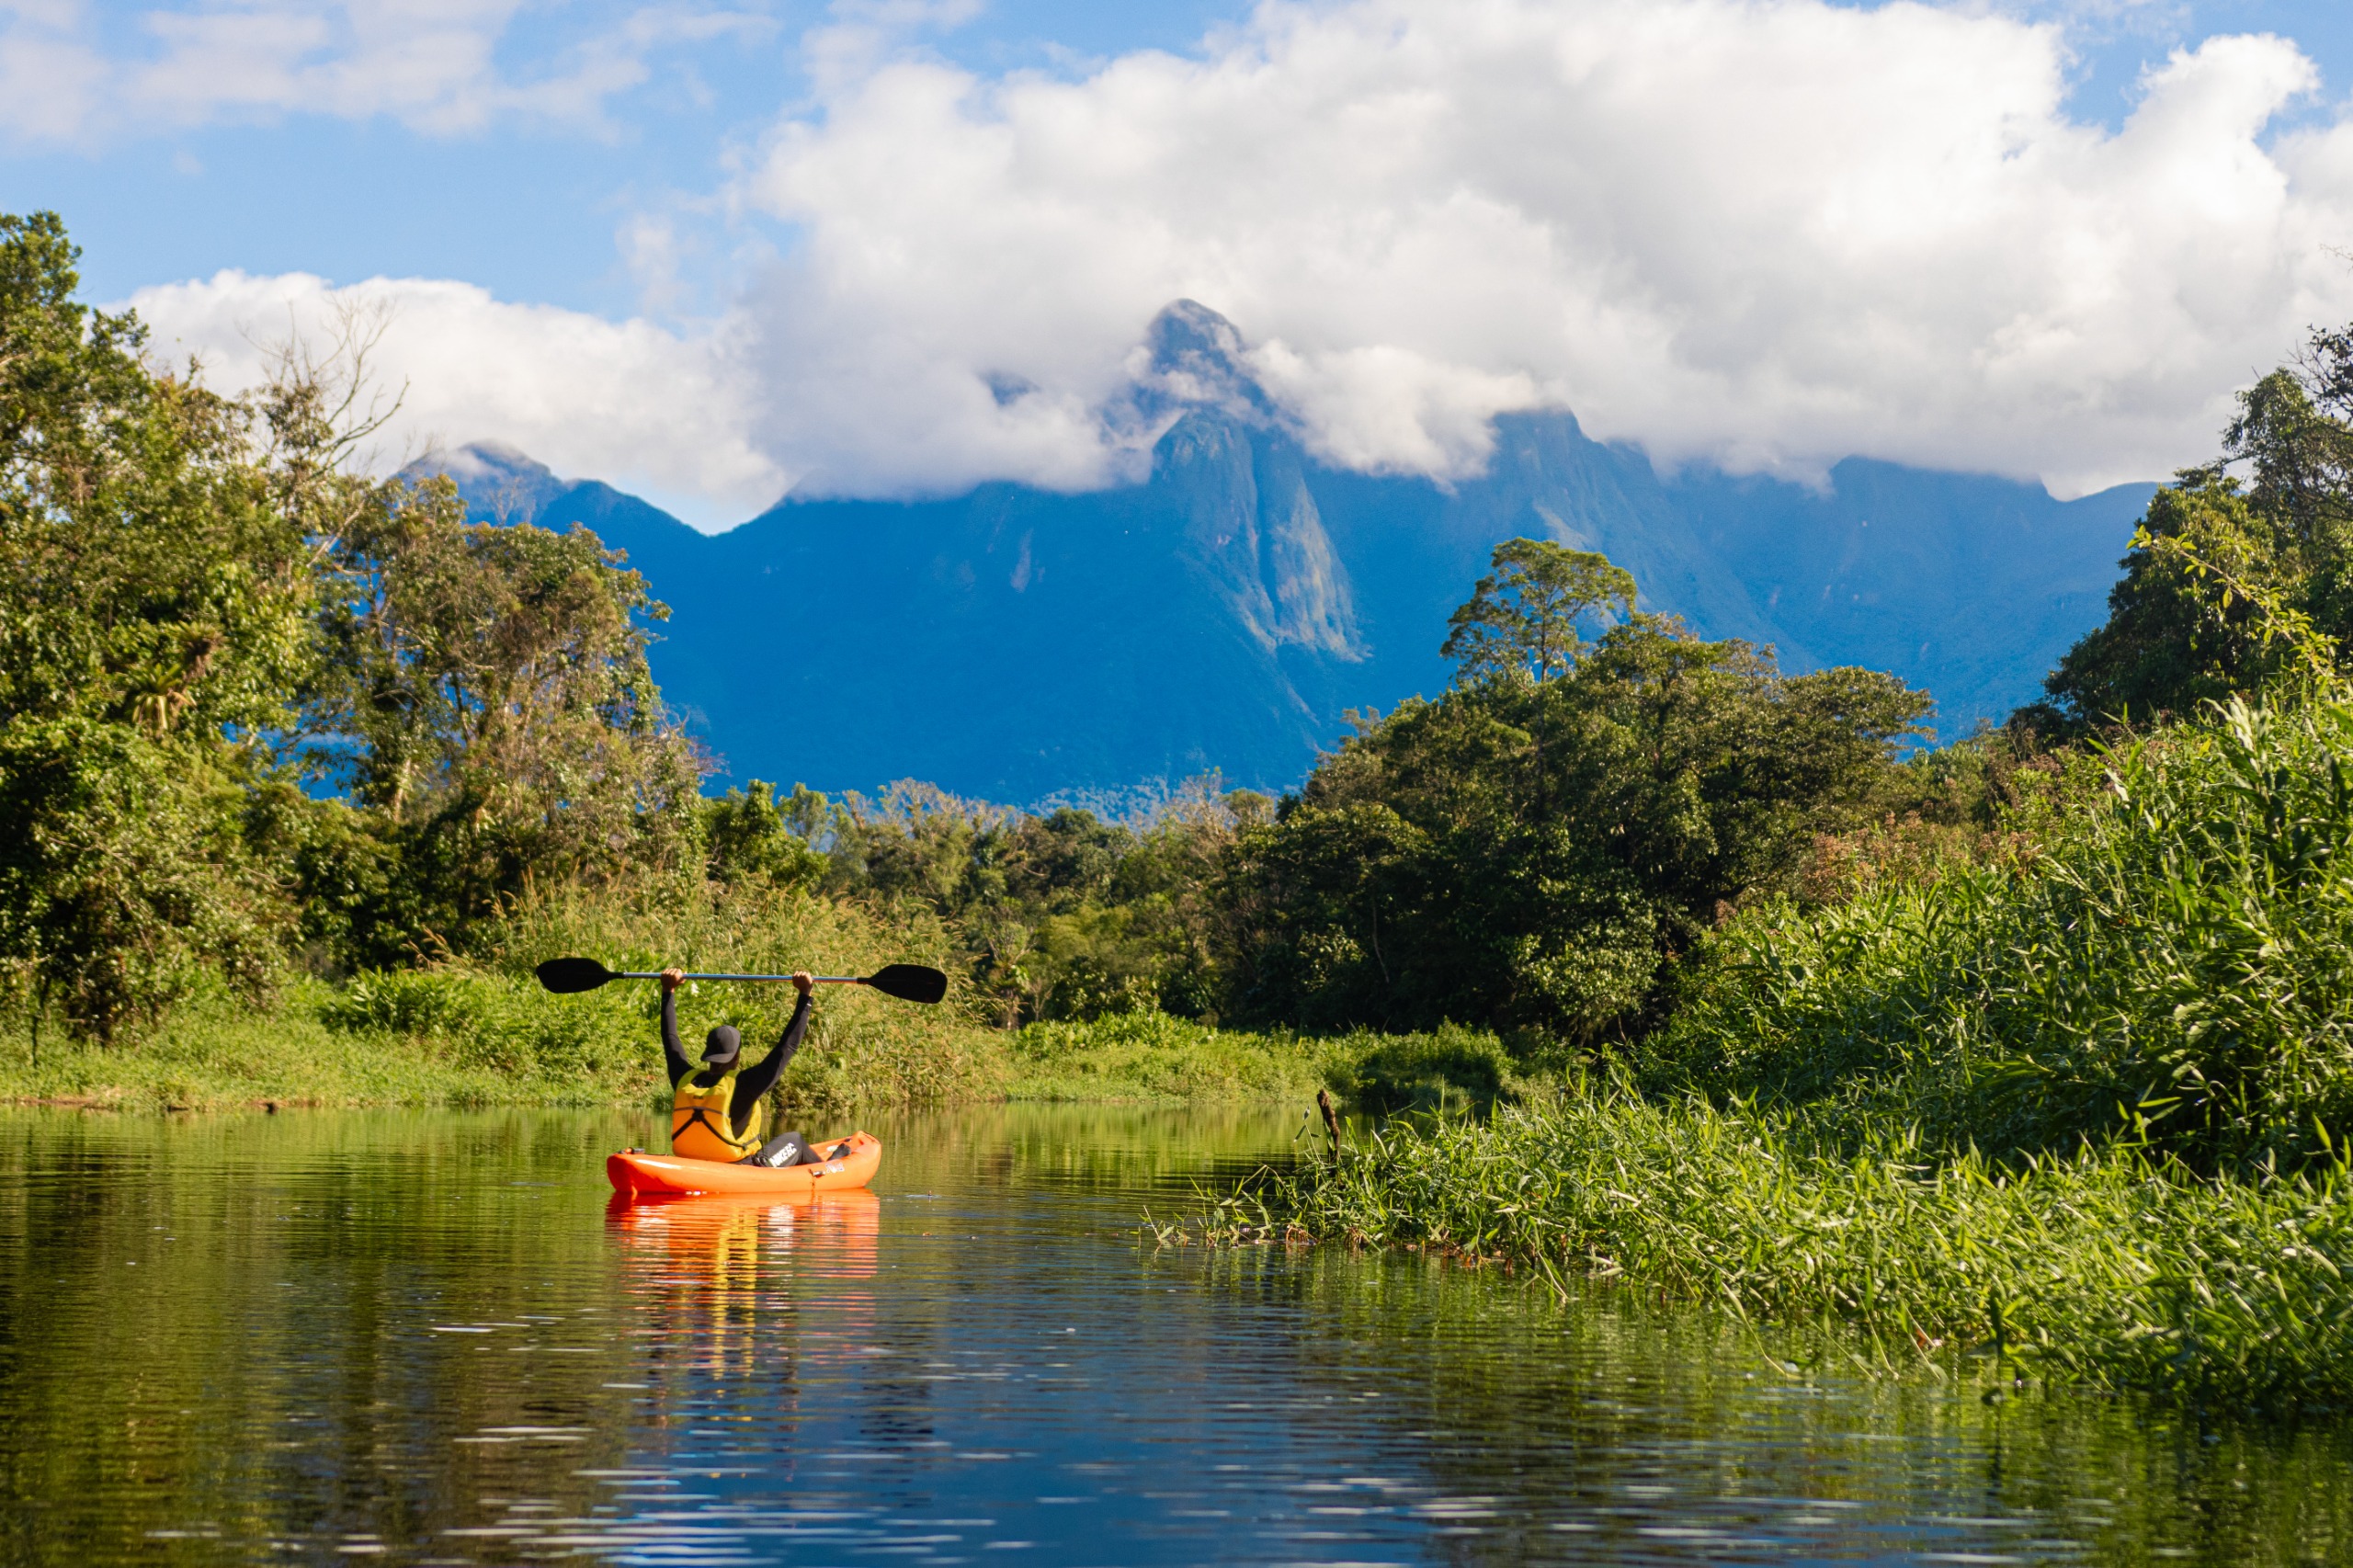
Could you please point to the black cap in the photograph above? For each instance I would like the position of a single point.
(721, 1044)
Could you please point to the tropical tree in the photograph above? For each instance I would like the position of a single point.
(1532, 849)
(154, 623)
(1522, 619)
(486, 692)
(201, 595)
(2224, 553)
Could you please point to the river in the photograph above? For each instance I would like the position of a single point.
(429, 1339)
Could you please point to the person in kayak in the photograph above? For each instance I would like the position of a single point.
(718, 1112)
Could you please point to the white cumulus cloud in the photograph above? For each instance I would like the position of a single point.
(1766, 234)
(651, 410)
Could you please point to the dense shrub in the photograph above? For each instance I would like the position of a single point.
(1449, 1068)
(1535, 851)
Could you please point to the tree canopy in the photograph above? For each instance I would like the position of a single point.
(2231, 562)
(204, 605)
(1532, 846)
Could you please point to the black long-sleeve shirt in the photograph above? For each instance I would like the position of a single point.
(750, 1084)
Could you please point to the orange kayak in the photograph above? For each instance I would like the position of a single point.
(667, 1174)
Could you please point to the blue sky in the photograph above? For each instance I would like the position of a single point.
(527, 210)
(531, 211)
(732, 187)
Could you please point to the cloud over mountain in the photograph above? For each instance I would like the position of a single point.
(1769, 234)
(660, 411)
(1765, 233)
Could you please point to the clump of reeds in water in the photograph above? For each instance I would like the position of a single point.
(2099, 1267)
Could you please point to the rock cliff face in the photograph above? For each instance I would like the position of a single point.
(1222, 613)
(1252, 524)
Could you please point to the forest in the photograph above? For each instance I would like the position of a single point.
(265, 717)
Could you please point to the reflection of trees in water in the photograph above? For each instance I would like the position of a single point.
(1607, 1413)
(314, 1327)
(1092, 1148)
(231, 1324)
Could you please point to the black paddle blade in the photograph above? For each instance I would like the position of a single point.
(909, 983)
(564, 976)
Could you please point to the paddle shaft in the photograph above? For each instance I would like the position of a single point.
(813, 980)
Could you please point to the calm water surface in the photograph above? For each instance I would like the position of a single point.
(319, 1337)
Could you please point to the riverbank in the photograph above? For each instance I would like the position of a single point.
(454, 1038)
(2102, 1269)
(461, 1037)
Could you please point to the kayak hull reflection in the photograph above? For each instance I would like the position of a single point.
(668, 1175)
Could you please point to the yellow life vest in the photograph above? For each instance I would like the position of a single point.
(702, 1122)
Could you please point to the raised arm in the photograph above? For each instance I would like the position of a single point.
(674, 1054)
(760, 1077)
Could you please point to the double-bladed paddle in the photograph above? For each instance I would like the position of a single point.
(907, 981)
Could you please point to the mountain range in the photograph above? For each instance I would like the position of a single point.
(1025, 645)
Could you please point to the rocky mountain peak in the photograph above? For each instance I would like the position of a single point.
(1238, 479)
(1195, 359)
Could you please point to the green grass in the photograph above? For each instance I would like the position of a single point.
(462, 1036)
(1154, 1057)
(459, 1036)
(2098, 1268)
(216, 1054)
(479, 1031)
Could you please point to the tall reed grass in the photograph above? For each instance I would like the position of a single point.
(2098, 1266)
(2172, 965)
